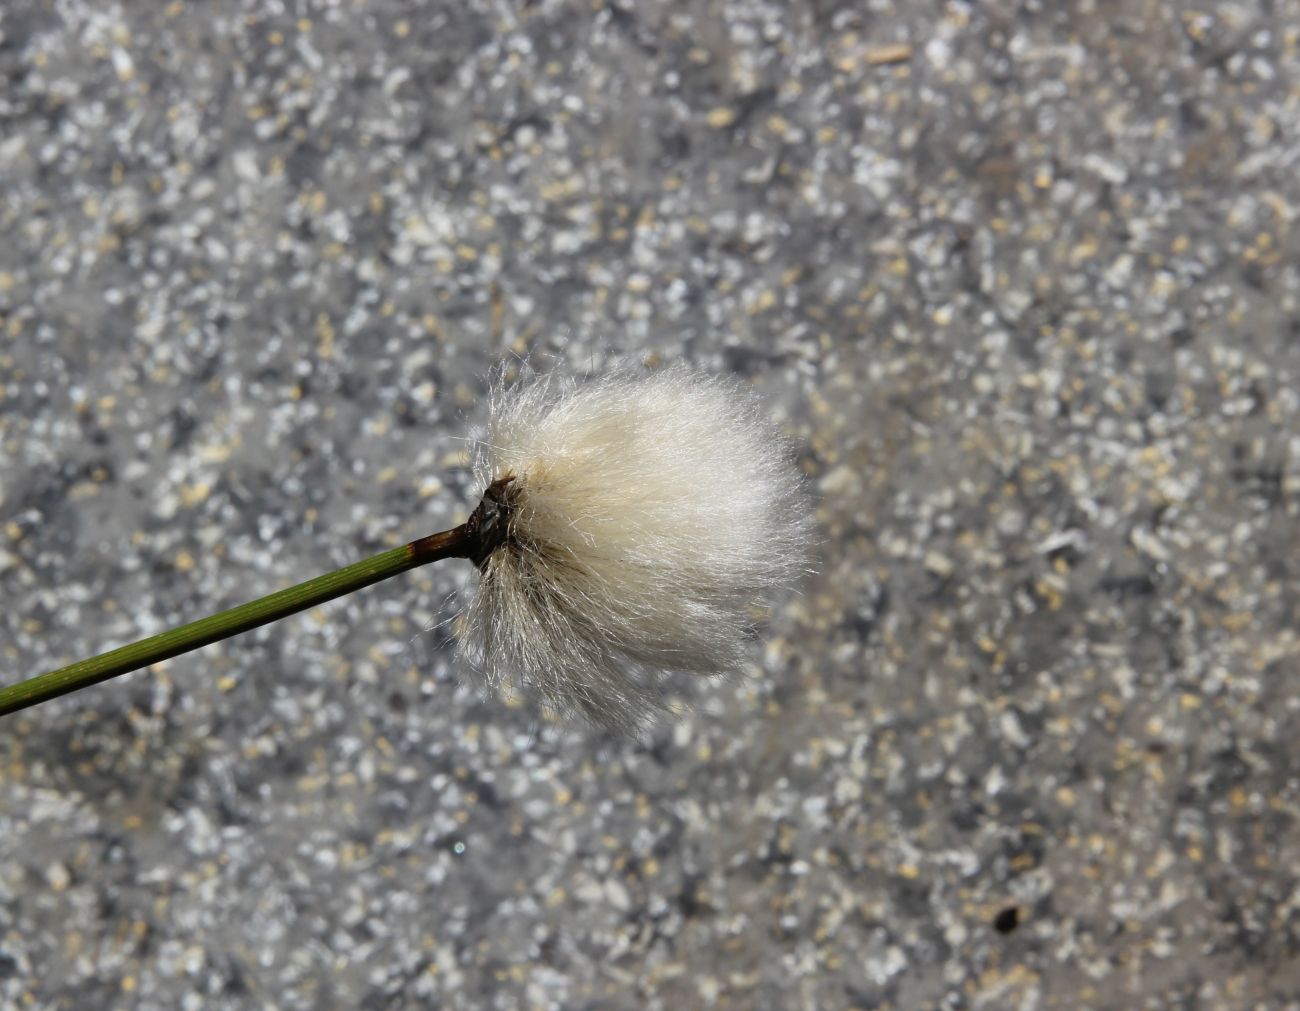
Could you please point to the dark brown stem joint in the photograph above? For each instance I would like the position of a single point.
(489, 524)
(486, 530)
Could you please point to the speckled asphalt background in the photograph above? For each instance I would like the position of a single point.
(1022, 279)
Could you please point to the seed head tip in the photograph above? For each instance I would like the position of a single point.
(637, 518)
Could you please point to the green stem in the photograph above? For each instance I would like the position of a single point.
(462, 542)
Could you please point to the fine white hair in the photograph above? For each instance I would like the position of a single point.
(647, 514)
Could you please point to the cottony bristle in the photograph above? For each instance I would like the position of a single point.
(646, 514)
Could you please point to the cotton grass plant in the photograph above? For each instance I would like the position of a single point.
(629, 526)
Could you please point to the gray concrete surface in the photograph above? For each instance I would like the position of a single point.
(1021, 277)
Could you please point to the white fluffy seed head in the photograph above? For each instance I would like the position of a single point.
(647, 514)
